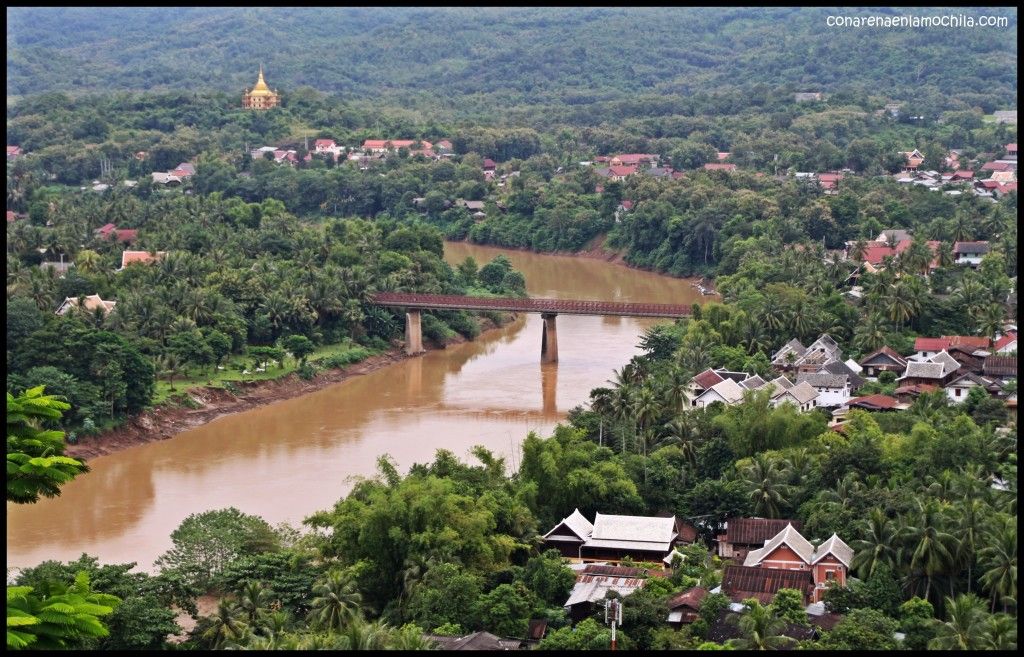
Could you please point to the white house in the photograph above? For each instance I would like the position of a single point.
(958, 389)
(969, 253)
(832, 389)
(726, 391)
(802, 395)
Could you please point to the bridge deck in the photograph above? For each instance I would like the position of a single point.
(558, 306)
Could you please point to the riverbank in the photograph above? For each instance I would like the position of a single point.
(206, 404)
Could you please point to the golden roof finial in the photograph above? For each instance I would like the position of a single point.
(261, 84)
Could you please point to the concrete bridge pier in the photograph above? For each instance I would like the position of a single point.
(549, 339)
(413, 333)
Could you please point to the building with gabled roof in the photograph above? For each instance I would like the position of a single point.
(788, 354)
(1006, 344)
(881, 360)
(970, 253)
(594, 581)
(726, 391)
(1000, 367)
(92, 303)
(802, 395)
(789, 551)
(744, 534)
(958, 389)
(684, 608)
(832, 389)
(140, 257)
(611, 538)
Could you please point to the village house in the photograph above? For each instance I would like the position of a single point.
(744, 534)
(832, 389)
(140, 257)
(913, 158)
(958, 389)
(616, 172)
(594, 581)
(807, 97)
(794, 356)
(802, 395)
(475, 641)
(969, 253)
(684, 608)
(611, 538)
(908, 394)
(1006, 344)
(883, 360)
(1011, 150)
(937, 370)
(92, 303)
(1000, 368)
(14, 152)
(720, 166)
(829, 181)
(790, 551)
(633, 159)
(875, 402)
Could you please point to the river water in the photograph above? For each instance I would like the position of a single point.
(291, 458)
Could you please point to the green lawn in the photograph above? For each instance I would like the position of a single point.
(233, 371)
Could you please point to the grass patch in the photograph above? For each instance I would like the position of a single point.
(345, 352)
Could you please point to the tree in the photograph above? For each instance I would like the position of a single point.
(300, 346)
(760, 628)
(35, 462)
(998, 560)
(225, 626)
(964, 625)
(862, 629)
(548, 576)
(337, 602)
(205, 543)
(506, 610)
(766, 481)
(788, 604)
(57, 618)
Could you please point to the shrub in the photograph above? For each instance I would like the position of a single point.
(306, 371)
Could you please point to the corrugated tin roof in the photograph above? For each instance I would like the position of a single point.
(740, 582)
(755, 531)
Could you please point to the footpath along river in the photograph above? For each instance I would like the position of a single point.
(293, 457)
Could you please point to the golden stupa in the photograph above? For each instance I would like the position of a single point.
(260, 97)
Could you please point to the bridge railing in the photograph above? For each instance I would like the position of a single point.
(567, 306)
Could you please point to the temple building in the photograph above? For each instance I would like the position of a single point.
(260, 97)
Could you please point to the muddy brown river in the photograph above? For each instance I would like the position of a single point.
(291, 458)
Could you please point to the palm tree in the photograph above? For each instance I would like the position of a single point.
(971, 516)
(871, 333)
(965, 625)
(990, 320)
(363, 635)
(760, 629)
(1000, 633)
(88, 261)
(945, 254)
(999, 559)
(766, 482)
(254, 599)
(226, 625)
(931, 547)
(878, 545)
(336, 603)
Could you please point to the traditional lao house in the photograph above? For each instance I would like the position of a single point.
(802, 395)
(684, 608)
(883, 360)
(958, 389)
(787, 355)
(875, 403)
(612, 538)
(569, 535)
(969, 253)
(908, 394)
(913, 160)
(833, 389)
(140, 257)
(92, 303)
(745, 534)
(324, 146)
(789, 551)
(475, 641)
(594, 581)
(726, 391)
(969, 358)
(1000, 368)
(742, 582)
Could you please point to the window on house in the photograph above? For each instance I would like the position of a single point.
(957, 392)
(830, 575)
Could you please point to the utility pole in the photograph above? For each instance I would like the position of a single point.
(613, 614)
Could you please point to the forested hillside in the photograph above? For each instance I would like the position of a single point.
(492, 59)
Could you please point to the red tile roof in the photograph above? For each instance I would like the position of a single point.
(931, 344)
(627, 204)
(14, 150)
(325, 143)
(707, 378)
(996, 166)
(968, 341)
(621, 171)
(1000, 343)
(126, 234)
(489, 163)
(11, 216)
(105, 229)
(143, 257)
(634, 158)
(874, 402)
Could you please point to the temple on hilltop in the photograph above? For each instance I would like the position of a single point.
(260, 97)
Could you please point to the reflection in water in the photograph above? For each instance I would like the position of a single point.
(294, 457)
